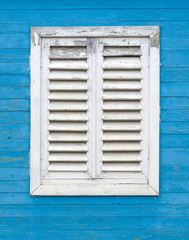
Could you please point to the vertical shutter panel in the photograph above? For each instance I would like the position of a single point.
(68, 111)
(121, 110)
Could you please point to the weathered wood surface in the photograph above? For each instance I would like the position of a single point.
(159, 223)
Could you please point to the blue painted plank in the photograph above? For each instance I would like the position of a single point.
(14, 68)
(103, 4)
(24, 198)
(13, 131)
(174, 128)
(24, 27)
(110, 223)
(174, 89)
(175, 115)
(14, 173)
(14, 41)
(14, 92)
(14, 104)
(19, 186)
(14, 159)
(174, 103)
(174, 75)
(174, 141)
(14, 117)
(14, 80)
(154, 14)
(59, 15)
(174, 186)
(174, 172)
(180, 59)
(95, 234)
(174, 156)
(94, 210)
(14, 55)
(17, 145)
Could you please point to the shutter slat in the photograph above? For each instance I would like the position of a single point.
(68, 157)
(67, 147)
(68, 116)
(121, 63)
(121, 75)
(68, 65)
(121, 51)
(68, 53)
(67, 137)
(122, 85)
(67, 127)
(122, 105)
(121, 167)
(121, 136)
(67, 167)
(67, 95)
(68, 75)
(121, 146)
(121, 116)
(122, 95)
(68, 106)
(122, 157)
(121, 126)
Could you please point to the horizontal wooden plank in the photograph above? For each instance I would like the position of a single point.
(174, 172)
(110, 223)
(174, 156)
(14, 159)
(174, 186)
(14, 92)
(15, 117)
(174, 103)
(153, 14)
(14, 80)
(98, 234)
(14, 40)
(97, 4)
(174, 89)
(174, 128)
(17, 145)
(94, 210)
(174, 75)
(175, 115)
(174, 141)
(14, 55)
(12, 131)
(14, 68)
(58, 15)
(180, 59)
(14, 173)
(14, 104)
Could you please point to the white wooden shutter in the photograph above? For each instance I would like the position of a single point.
(94, 111)
(125, 108)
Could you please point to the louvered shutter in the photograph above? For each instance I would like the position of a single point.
(65, 67)
(94, 111)
(125, 108)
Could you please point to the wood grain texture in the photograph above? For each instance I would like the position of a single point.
(172, 16)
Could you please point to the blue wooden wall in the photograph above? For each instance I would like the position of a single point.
(93, 218)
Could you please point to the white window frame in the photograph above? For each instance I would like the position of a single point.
(149, 188)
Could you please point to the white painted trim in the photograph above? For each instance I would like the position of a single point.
(36, 186)
(95, 190)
